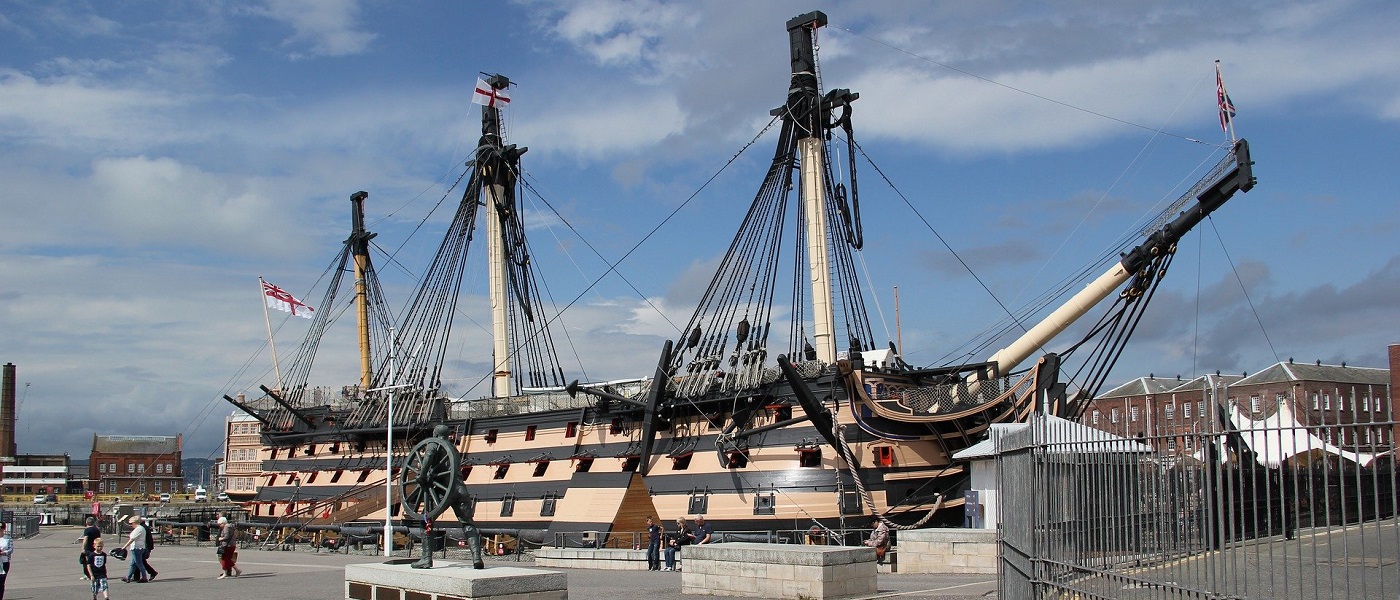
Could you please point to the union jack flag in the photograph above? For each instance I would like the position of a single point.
(280, 299)
(1227, 108)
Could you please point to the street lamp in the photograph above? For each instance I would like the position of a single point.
(389, 444)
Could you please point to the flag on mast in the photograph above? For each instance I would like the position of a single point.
(489, 96)
(280, 299)
(1227, 108)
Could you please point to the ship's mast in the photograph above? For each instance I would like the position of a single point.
(359, 248)
(804, 103)
(496, 177)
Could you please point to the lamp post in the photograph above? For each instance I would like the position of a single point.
(389, 444)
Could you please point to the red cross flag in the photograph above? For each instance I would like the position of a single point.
(489, 96)
(279, 299)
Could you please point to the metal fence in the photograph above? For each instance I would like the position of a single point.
(1280, 513)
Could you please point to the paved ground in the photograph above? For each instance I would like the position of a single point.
(45, 567)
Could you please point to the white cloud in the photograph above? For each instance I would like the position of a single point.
(325, 27)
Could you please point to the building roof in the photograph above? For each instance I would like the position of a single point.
(1290, 371)
(1140, 386)
(1062, 436)
(136, 444)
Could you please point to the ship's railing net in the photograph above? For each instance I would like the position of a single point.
(953, 397)
(729, 382)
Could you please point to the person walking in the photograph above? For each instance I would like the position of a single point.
(150, 527)
(7, 549)
(228, 550)
(653, 545)
(91, 534)
(135, 546)
(97, 569)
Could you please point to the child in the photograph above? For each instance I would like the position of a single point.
(97, 568)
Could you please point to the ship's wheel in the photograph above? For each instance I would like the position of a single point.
(427, 481)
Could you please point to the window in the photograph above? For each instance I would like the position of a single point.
(158, 487)
(1254, 404)
(130, 468)
(364, 474)
(630, 465)
(1133, 414)
(530, 433)
(583, 465)
(101, 467)
(1186, 410)
(501, 471)
(141, 468)
(1171, 445)
(491, 436)
(336, 477)
(571, 430)
(1188, 442)
(1317, 401)
(681, 463)
(765, 504)
(1170, 411)
(884, 456)
(1326, 402)
(540, 468)
(1096, 418)
(809, 457)
(616, 427)
(1201, 407)
(1113, 416)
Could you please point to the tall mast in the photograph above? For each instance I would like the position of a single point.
(359, 248)
(496, 163)
(804, 104)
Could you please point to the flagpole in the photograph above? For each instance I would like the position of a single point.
(276, 366)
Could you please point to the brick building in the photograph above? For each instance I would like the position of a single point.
(1350, 407)
(136, 464)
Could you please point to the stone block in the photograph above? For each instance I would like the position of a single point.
(448, 579)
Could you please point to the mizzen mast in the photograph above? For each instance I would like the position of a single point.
(359, 248)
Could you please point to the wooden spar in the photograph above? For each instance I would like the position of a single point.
(359, 240)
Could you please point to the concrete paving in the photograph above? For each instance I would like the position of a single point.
(46, 567)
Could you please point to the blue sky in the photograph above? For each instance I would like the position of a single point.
(157, 157)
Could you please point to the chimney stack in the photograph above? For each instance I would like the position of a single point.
(7, 415)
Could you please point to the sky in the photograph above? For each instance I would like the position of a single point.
(158, 157)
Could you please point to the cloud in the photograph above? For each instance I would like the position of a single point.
(321, 27)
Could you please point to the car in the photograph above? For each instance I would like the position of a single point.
(41, 499)
(223, 497)
(200, 495)
(164, 498)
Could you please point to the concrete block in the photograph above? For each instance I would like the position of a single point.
(455, 580)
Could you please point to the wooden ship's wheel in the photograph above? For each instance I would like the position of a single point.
(428, 479)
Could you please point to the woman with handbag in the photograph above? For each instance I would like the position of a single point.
(227, 547)
(681, 537)
(879, 539)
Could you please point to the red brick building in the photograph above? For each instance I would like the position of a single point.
(1351, 407)
(135, 464)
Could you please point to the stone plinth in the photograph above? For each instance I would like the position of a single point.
(615, 559)
(779, 571)
(948, 551)
(450, 580)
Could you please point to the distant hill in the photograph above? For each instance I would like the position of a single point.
(195, 468)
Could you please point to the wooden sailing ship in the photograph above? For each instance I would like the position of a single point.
(775, 409)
